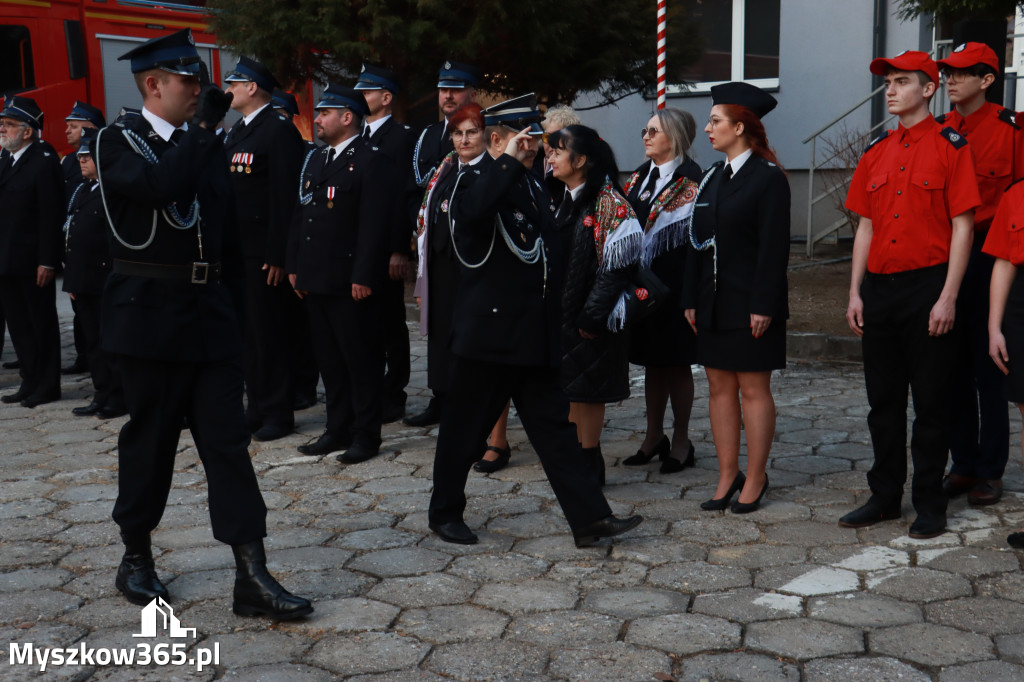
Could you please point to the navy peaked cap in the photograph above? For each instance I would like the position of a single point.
(88, 138)
(343, 97)
(516, 113)
(374, 77)
(251, 70)
(744, 95)
(457, 75)
(23, 109)
(83, 111)
(175, 53)
(285, 100)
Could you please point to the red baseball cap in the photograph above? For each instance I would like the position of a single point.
(968, 55)
(908, 60)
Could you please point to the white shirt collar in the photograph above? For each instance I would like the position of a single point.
(473, 162)
(576, 192)
(248, 119)
(340, 147)
(17, 155)
(738, 162)
(374, 126)
(160, 126)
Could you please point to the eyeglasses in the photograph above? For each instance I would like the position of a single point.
(9, 123)
(714, 120)
(652, 131)
(956, 76)
(459, 134)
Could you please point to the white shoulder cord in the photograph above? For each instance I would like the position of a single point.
(451, 230)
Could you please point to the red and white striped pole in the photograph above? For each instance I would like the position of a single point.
(661, 54)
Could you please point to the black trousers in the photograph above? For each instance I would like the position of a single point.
(305, 372)
(395, 335)
(476, 396)
(269, 383)
(81, 345)
(106, 380)
(979, 441)
(899, 353)
(346, 339)
(31, 313)
(159, 395)
(443, 275)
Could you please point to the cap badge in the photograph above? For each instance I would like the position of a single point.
(961, 47)
(447, 65)
(903, 53)
(191, 40)
(953, 137)
(363, 70)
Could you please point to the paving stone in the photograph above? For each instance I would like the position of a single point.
(332, 583)
(564, 628)
(862, 670)
(404, 504)
(243, 649)
(17, 554)
(990, 671)
(527, 596)
(505, 660)
(367, 653)
(671, 510)
(863, 610)
(33, 579)
(809, 533)
(448, 624)
(288, 538)
(973, 562)
(822, 580)
(684, 633)
(598, 574)
(390, 563)
(918, 584)
(737, 667)
(339, 503)
(716, 530)
(307, 559)
(641, 492)
(376, 538)
(354, 614)
(494, 568)
(433, 589)
(812, 464)
(1011, 648)
(928, 644)
(40, 604)
(489, 543)
(697, 577)
(558, 548)
(536, 525)
(105, 613)
(339, 523)
(395, 485)
(198, 559)
(803, 639)
(749, 605)
(13, 530)
(283, 672)
(980, 614)
(401, 676)
(859, 558)
(635, 602)
(757, 555)
(611, 662)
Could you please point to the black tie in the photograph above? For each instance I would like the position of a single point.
(727, 173)
(330, 157)
(565, 208)
(367, 134)
(177, 135)
(646, 201)
(5, 163)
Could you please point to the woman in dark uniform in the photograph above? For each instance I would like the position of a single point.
(605, 250)
(736, 293)
(661, 192)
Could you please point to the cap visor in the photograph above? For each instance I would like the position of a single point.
(454, 85)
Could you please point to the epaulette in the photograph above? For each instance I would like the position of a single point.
(876, 141)
(767, 162)
(281, 117)
(1009, 116)
(406, 127)
(941, 118)
(1012, 184)
(956, 139)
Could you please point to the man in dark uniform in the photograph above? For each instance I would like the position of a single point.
(265, 154)
(337, 262)
(915, 191)
(83, 116)
(31, 206)
(505, 339)
(171, 312)
(86, 266)
(396, 140)
(979, 423)
(456, 87)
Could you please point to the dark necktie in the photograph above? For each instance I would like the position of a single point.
(330, 157)
(5, 163)
(564, 209)
(646, 201)
(367, 134)
(727, 173)
(177, 135)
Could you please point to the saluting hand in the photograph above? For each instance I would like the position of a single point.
(518, 146)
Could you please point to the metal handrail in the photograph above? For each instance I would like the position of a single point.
(843, 115)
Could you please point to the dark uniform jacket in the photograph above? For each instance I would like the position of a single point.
(749, 217)
(265, 158)
(170, 319)
(32, 202)
(72, 172)
(398, 142)
(506, 311)
(86, 245)
(340, 241)
(431, 147)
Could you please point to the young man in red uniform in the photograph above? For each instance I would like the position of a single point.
(915, 191)
(979, 448)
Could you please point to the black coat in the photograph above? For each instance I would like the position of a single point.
(337, 242)
(749, 217)
(265, 186)
(169, 319)
(32, 203)
(72, 173)
(86, 244)
(398, 142)
(431, 148)
(506, 311)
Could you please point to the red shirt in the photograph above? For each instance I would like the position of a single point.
(1006, 236)
(997, 146)
(911, 184)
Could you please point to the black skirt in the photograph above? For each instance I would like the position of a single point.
(1013, 330)
(665, 339)
(736, 350)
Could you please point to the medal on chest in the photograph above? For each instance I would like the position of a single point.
(241, 163)
(645, 195)
(330, 197)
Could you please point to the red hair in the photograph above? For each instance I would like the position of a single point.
(467, 112)
(753, 130)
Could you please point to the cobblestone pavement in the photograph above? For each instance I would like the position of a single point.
(780, 594)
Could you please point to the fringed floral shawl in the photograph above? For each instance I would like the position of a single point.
(666, 226)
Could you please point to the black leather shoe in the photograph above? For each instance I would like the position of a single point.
(13, 364)
(90, 410)
(955, 484)
(985, 493)
(720, 503)
(272, 432)
(136, 576)
(15, 397)
(392, 411)
(605, 528)
(41, 398)
(662, 449)
(112, 411)
(489, 466)
(431, 415)
(358, 452)
(747, 507)
(456, 532)
(925, 527)
(1016, 540)
(326, 444)
(670, 465)
(869, 515)
(76, 367)
(257, 593)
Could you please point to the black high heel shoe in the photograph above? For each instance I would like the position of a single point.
(747, 507)
(720, 503)
(489, 466)
(670, 465)
(662, 450)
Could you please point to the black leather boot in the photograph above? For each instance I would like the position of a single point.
(595, 460)
(257, 593)
(136, 576)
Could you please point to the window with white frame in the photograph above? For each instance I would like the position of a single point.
(740, 43)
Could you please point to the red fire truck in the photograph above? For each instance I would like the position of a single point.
(59, 51)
